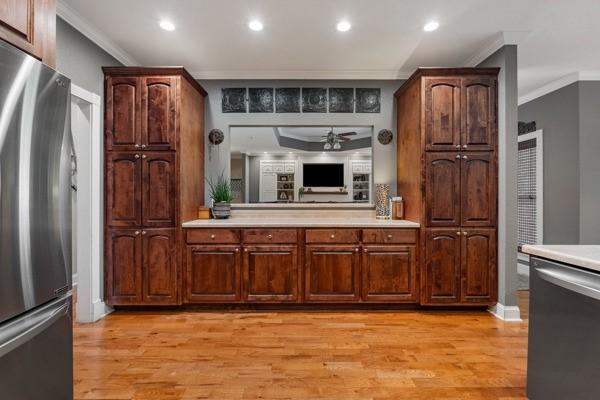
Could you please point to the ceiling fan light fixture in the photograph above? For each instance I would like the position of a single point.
(337, 146)
(327, 146)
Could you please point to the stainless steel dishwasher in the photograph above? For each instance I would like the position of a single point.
(564, 332)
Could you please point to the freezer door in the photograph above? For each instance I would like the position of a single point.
(36, 354)
(35, 216)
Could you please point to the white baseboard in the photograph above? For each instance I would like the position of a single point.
(506, 313)
(101, 310)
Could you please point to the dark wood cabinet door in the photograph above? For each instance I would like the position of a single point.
(22, 24)
(441, 272)
(159, 266)
(389, 274)
(270, 273)
(442, 113)
(213, 274)
(122, 130)
(123, 267)
(159, 102)
(123, 189)
(479, 129)
(442, 189)
(332, 273)
(159, 189)
(478, 185)
(478, 266)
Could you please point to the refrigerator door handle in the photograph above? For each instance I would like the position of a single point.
(582, 282)
(30, 327)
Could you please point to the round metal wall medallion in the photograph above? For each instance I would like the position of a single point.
(385, 136)
(216, 136)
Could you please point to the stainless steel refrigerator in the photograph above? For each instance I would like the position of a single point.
(36, 336)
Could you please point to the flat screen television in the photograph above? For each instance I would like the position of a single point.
(323, 175)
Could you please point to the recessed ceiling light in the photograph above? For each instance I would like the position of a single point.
(343, 26)
(431, 26)
(167, 25)
(255, 25)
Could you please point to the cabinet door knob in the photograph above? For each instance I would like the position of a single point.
(237, 250)
(245, 250)
(143, 232)
(464, 157)
(144, 156)
(137, 233)
(465, 233)
(332, 236)
(366, 251)
(464, 146)
(270, 236)
(458, 156)
(212, 236)
(458, 233)
(356, 249)
(137, 156)
(137, 146)
(143, 146)
(458, 146)
(389, 236)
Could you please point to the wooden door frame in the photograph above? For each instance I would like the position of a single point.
(90, 228)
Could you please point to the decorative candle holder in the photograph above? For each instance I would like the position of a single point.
(382, 201)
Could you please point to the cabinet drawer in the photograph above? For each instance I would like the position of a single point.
(399, 236)
(270, 236)
(203, 236)
(332, 236)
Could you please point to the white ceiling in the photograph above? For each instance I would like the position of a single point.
(256, 140)
(556, 37)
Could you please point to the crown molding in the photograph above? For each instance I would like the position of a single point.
(301, 74)
(87, 29)
(503, 38)
(559, 84)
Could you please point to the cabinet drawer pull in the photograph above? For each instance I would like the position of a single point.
(366, 251)
(137, 156)
(137, 233)
(212, 236)
(458, 233)
(237, 250)
(356, 249)
(464, 157)
(270, 236)
(389, 236)
(458, 156)
(332, 236)
(144, 156)
(245, 250)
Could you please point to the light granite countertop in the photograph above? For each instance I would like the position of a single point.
(283, 222)
(585, 256)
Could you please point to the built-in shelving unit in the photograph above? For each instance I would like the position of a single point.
(361, 181)
(285, 187)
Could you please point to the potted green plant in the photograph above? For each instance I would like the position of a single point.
(300, 193)
(221, 195)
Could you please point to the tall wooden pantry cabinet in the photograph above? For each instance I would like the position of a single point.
(447, 174)
(154, 179)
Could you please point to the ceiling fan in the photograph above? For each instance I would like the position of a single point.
(332, 140)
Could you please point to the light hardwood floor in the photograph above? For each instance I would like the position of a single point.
(301, 355)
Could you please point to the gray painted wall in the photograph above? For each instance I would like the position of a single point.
(384, 157)
(557, 114)
(80, 59)
(506, 59)
(589, 162)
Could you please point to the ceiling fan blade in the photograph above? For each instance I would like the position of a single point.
(347, 134)
(345, 139)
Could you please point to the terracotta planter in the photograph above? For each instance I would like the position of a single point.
(221, 210)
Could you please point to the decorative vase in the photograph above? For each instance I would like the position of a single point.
(382, 201)
(221, 210)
